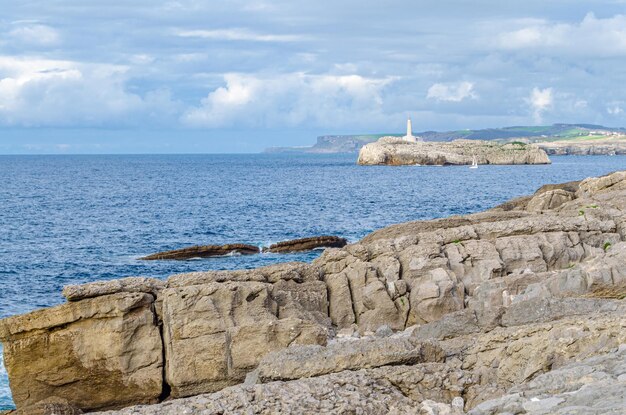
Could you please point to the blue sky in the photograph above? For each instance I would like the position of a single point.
(154, 76)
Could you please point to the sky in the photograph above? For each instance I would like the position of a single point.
(190, 76)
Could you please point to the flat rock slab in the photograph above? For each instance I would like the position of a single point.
(204, 251)
(307, 244)
(312, 360)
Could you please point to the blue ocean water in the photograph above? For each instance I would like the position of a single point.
(75, 219)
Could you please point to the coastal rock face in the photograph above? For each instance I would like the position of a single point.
(307, 244)
(468, 312)
(103, 352)
(396, 152)
(204, 251)
(591, 148)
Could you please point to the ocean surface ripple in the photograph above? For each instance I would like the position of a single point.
(74, 219)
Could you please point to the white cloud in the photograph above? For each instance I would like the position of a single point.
(239, 34)
(540, 100)
(35, 34)
(614, 109)
(454, 92)
(44, 92)
(295, 99)
(591, 37)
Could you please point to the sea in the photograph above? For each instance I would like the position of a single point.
(73, 219)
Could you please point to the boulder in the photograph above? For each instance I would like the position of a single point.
(307, 244)
(203, 251)
(96, 353)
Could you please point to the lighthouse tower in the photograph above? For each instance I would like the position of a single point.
(409, 133)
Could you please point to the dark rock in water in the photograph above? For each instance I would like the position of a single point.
(307, 244)
(204, 251)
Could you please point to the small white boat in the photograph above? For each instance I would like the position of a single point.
(474, 163)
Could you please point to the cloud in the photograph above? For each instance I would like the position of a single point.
(34, 34)
(295, 99)
(614, 108)
(540, 100)
(240, 34)
(591, 37)
(453, 92)
(43, 92)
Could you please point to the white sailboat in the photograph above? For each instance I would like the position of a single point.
(474, 163)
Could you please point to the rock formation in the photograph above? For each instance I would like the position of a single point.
(585, 148)
(204, 251)
(396, 152)
(519, 309)
(307, 244)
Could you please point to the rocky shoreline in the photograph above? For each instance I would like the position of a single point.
(394, 151)
(519, 309)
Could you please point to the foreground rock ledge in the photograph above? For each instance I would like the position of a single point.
(396, 152)
(518, 309)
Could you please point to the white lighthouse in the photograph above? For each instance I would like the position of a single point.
(409, 133)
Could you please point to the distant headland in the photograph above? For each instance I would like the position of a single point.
(556, 139)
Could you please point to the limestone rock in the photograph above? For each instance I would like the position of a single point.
(549, 200)
(307, 244)
(592, 386)
(215, 333)
(96, 353)
(203, 251)
(100, 288)
(50, 406)
(296, 271)
(505, 357)
(395, 151)
(310, 361)
(384, 390)
(436, 294)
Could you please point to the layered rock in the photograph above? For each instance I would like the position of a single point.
(394, 151)
(509, 294)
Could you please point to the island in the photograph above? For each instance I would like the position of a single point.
(518, 309)
(394, 151)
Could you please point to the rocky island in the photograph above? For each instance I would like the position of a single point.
(519, 309)
(394, 151)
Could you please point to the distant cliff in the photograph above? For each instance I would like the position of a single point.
(564, 148)
(392, 151)
(328, 144)
(353, 143)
